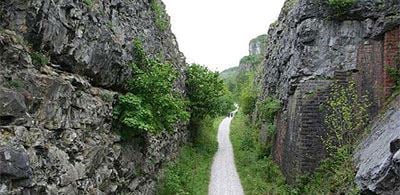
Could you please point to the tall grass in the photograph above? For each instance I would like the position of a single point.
(190, 173)
(258, 173)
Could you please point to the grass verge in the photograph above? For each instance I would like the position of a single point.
(258, 173)
(190, 173)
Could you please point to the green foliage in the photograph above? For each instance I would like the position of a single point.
(258, 173)
(133, 115)
(248, 101)
(107, 97)
(268, 109)
(341, 5)
(14, 84)
(190, 173)
(346, 116)
(39, 58)
(151, 104)
(251, 59)
(206, 92)
(229, 78)
(394, 74)
(335, 175)
(89, 3)
(160, 15)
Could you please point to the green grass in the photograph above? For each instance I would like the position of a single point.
(258, 173)
(190, 173)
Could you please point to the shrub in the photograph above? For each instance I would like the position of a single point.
(394, 74)
(39, 58)
(151, 104)
(206, 92)
(247, 102)
(160, 15)
(268, 108)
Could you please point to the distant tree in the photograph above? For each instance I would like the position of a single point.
(207, 93)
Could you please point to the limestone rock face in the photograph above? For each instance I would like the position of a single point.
(378, 157)
(63, 64)
(92, 38)
(258, 45)
(257, 48)
(311, 46)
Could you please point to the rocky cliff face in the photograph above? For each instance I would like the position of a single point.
(62, 65)
(257, 48)
(312, 46)
(378, 157)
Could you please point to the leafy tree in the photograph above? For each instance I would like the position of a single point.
(206, 93)
(151, 104)
(248, 95)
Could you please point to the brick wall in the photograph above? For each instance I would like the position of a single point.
(298, 145)
(370, 76)
(391, 57)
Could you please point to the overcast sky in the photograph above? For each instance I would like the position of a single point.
(216, 33)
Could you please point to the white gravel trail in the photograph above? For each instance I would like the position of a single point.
(224, 177)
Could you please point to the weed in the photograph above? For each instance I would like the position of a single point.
(39, 58)
(14, 84)
(160, 15)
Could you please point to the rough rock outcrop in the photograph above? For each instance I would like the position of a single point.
(92, 38)
(258, 45)
(378, 157)
(257, 48)
(62, 65)
(309, 47)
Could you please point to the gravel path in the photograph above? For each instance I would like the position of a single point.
(224, 177)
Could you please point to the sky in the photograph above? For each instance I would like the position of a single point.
(216, 33)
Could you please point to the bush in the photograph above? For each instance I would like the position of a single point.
(151, 105)
(394, 74)
(247, 102)
(207, 93)
(160, 15)
(268, 109)
(334, 176)
(39, 58)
